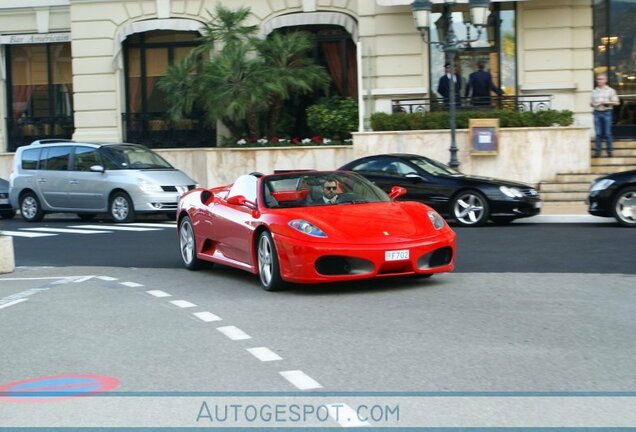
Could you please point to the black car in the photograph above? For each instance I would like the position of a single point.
(470, 200)
(6, 211)
(614, 195)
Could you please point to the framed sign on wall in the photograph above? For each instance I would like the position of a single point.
(484, 136)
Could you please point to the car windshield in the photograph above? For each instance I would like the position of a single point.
(308, 189)
(133, 157)
(434, 167)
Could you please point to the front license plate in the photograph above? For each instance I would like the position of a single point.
(396, 255)
(538, 204)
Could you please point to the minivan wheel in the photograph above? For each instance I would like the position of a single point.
(30, 208)
(121, 208)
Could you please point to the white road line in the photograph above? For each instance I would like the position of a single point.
(116, 228)
(207, 316)
(24, 234)
(131, 284)
(264, 354)
(15, 302)
(150, 225)
(62, 281)
(300, 379)
(183, 303)
(158, 293)
(234, 333)
(83, 279)
(345, 415)
(66, 230)
(106, 278)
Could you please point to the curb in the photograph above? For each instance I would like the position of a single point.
(565, 218)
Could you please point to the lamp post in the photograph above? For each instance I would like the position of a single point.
(449, 44)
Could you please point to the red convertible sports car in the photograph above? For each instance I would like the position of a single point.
(312, 227)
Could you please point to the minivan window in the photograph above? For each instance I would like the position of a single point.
(55, 158)
(85, 158)
(30, 159)
(133, 157)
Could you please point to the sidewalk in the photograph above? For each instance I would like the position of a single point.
(554, 212)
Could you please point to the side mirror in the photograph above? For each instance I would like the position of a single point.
(206, 197)
(242, 201)
(396, 192)
(414, 176)
(97, 168)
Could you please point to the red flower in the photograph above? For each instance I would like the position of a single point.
(295, 140)
(274, 139)
(252, 139)
(316, 139)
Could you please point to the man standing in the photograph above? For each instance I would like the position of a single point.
(604, 98)
(480, 83)
(443, 86)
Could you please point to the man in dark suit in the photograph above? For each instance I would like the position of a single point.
(480, 85)
(443, 86)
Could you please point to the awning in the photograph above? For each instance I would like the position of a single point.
(312, 18)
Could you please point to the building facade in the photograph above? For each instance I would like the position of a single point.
(88, 69)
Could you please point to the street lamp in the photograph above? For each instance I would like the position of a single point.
(449, 44)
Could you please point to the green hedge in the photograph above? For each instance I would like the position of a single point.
(440, 119)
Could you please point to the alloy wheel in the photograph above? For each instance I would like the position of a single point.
(470, 209)
(626, 207)
(29, 207)
(119, 208)
(186, 242)
(265, 260)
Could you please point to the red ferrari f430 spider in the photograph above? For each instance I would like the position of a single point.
(312, 227)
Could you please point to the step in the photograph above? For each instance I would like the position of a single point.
(617, 144)
(619, 152)
(627, 160)
(577, 177)
(578, 195)
(611, 168)
(563, 186)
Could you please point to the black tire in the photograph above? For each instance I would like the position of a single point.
(86, 216)
(30, 208)
(10, 214)
(121, 208)
(502, 220)
(470, 208)
(267, 260)
(188, 245)
(624, 206)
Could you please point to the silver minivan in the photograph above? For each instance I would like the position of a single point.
(88, 179)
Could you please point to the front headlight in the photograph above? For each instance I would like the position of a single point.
(511, 192)
(437, 221)
(148, 187)
(306, 228)
(601, 184)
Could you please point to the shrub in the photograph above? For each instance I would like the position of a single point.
(333, 117)
(440, 119)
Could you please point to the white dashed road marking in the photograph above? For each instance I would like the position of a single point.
(150, 225)
(234, 333)
(115, 228)
(131, 284)
(83, 279)
(24, 234)
(106, 278)
(66, 230)
(159, 293)
(264, 354)
(15, 302)
(300, 379)
(183, 303)
(207, 316)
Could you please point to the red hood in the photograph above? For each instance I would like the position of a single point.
(371, 223)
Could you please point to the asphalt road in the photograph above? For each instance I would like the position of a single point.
(532, 248)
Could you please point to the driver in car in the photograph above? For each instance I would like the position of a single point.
(329, 187)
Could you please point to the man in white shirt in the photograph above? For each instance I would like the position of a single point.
(604, 98)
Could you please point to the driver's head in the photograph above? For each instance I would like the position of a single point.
(329, 187)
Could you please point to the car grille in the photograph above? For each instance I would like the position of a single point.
(529, 192)
(180, 189)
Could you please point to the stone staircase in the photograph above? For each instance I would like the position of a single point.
(566, 194)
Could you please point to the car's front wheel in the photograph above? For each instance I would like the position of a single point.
(268, 267)
(30, 208)
(470, 208)
(188, 245)
(624, 208)
(121, 208)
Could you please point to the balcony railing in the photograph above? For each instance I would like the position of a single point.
(511, 103)
(25, 130)
(157, 130)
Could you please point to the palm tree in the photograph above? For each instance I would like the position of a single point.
(246, 79)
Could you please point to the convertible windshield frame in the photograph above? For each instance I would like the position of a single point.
(304, 189)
